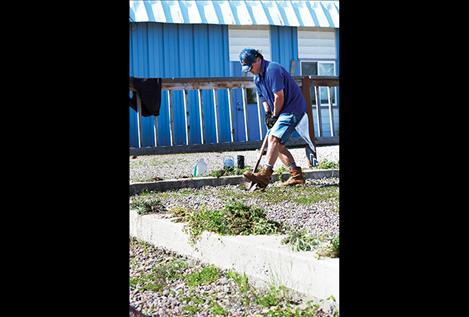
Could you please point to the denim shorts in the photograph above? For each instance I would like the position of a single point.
(285, 126)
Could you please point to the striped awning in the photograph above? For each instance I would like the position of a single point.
(244, 12)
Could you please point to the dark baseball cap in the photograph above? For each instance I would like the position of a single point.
(247, 57)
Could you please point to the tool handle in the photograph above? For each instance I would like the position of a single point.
(264, 144)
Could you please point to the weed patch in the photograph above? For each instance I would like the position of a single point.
(207, 275)
(305, 195)
(300, 240)
(235, 218)
(331, 249)
(326, 164)
(229, 171)
(146, 204)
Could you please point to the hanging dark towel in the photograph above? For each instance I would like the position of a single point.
(149, 90)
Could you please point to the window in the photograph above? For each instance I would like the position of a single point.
(251, 95)
(319, 68)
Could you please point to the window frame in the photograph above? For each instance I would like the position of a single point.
(321, 61)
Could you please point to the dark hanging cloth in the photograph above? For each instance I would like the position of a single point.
(149, 90)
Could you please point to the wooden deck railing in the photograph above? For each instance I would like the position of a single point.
(229, 83)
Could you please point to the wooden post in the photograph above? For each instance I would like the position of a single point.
(139, 120)
(245, 110)
(329, 100)
(318, 111)
(215, 111)
(305, 85)
(230, 111)
(186, 116)
(201, 112)
(171, 117)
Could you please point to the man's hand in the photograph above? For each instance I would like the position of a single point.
(268, 115)
(271, 121)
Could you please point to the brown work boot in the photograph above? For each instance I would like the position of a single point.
(296, 177)
(262, 178)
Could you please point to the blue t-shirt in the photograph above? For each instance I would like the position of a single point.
(272, 78)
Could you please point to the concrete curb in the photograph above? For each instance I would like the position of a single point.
(197, 182)
(262, 258)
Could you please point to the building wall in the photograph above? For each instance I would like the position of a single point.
(206, 50)
(256, 36)
(180, 50)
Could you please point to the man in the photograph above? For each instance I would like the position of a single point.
(284, 106)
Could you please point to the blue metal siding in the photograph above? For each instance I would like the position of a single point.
(253, 122)
(284, 44)
(180, 50)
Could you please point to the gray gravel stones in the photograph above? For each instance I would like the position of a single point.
(169, 166)
(177, 298)
(320, 218)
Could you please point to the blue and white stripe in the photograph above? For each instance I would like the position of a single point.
(241, 12)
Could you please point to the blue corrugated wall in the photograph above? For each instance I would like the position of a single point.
(284, 44)
(180, 50)
(201, 50)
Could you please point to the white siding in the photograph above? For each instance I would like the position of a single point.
(257, 37)
(315, 43)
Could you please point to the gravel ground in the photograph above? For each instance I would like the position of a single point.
(319, 218)
(167, 166)
(218, 296)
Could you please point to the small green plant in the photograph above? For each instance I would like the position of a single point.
(216, 309)
(145, 204)
(335, 243)
(330, 249)
(241, 281)
(179, 213)
(193, 309)
(171, 270)
(280, 170)
(272, 297)
(326, 164)
(229, 171)
(147, 282)
(206, 275)
(287, 311)
(244, 220)
(235, 218)
(159, 275)
(300, 240)
(306, 195)
(217, 173)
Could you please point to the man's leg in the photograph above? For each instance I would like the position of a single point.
(273, 150)
(281, 131)
(262, 178)
(284, 155)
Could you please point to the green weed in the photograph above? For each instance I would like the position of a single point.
(326, 164)
(235, 218)
(206, 275)
(145, 204)
(300, 240)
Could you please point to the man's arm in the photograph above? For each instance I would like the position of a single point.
(278, 102)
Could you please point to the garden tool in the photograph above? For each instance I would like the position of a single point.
(252, 185)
